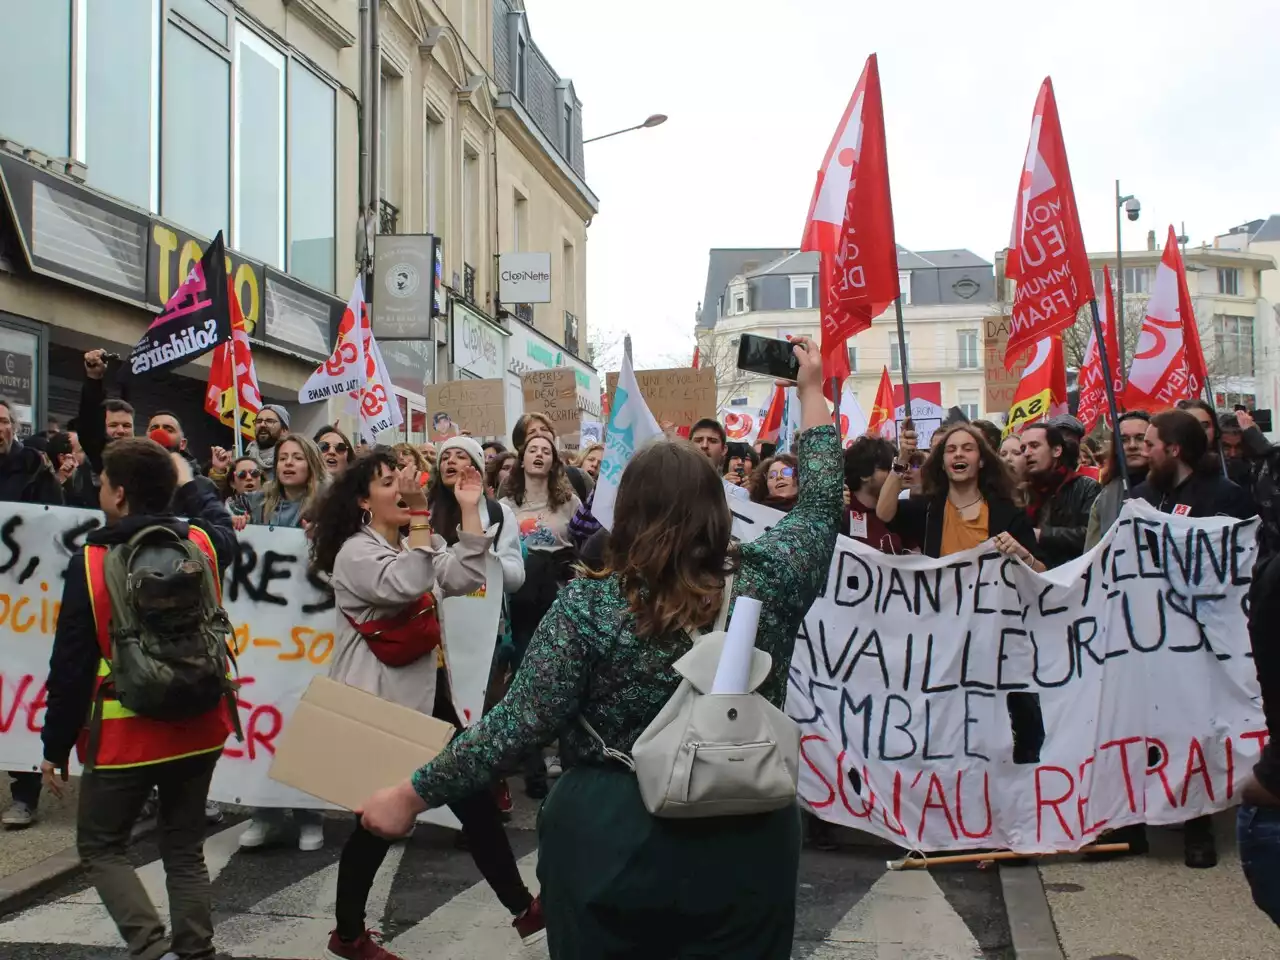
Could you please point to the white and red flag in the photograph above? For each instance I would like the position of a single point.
(1168, 362)
(850, 224)
(1046, 256)
(341, 373)
(1092, 382)
(1042, 391)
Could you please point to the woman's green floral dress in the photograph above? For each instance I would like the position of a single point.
(585, 658)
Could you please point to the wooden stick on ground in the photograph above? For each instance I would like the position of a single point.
(910, 862)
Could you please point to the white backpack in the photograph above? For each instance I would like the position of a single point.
(714, 755)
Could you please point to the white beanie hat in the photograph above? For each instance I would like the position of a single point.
(467, 445)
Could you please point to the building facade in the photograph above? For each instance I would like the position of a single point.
(1263, 359)
(144, 128)
(470, 152)
(773, 292)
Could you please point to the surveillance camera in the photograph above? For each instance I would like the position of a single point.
(1132, 207)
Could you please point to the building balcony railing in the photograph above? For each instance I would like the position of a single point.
(571, 333)
(388, 216)
(469, 283)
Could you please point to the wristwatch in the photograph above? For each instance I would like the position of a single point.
(899, 467)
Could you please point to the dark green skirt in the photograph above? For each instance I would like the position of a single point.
(621, 884)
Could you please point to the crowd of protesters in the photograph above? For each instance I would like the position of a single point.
(395, 529)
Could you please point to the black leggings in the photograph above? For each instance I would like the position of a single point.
(482, 826)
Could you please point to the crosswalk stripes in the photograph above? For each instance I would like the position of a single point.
(429, 899)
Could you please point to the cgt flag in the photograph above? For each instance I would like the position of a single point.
(1046, 255)
(340, 374)
(1092, 382)
(1168, 362)
(1042, 391)
(194, 321)
(224, 383)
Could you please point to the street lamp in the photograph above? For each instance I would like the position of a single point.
(1131, 207)
(654, 120)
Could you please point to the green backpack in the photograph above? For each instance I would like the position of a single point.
(169, 632)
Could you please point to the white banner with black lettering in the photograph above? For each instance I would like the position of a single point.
(970, 703)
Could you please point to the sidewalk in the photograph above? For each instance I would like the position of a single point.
(1155, 908)
(32, 854)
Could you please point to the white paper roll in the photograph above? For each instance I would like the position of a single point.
(733, 674)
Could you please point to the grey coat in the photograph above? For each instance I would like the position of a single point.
(1105, 512)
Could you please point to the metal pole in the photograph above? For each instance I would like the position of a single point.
(902, 361)
(235, 396)
(1121, 364)
(1112, 406)
(363, 172)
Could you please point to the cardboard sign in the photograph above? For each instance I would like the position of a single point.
(1001, 383)
(677, 398)
(472, 407)
(554, 394)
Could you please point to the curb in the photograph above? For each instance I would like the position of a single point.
(1030, 922)
(20, 889)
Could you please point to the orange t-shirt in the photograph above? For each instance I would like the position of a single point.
(959, 534)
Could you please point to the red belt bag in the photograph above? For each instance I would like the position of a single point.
(405, 637)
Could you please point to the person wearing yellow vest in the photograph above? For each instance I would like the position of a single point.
(142, 485)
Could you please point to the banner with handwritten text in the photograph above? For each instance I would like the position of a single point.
(970, 703)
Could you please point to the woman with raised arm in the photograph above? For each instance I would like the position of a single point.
(387, 587)
(617, 881)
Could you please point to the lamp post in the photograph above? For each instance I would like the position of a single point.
(654, 120)
(1131, 207)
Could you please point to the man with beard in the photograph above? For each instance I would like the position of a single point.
(1133, 447)
(270, 427)
(1060, 498)
(1177, 481)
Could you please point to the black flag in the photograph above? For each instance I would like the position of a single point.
(194, 321)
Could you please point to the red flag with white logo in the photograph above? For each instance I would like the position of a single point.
(1168, 362)
(1042, 391)
(224, 384)
(1046, 256)
(850, 224)
(771, 419)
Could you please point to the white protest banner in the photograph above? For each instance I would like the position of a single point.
(908, 674)
(340, 374)
(379, 408)
(283, 620)
(470, 628)
(631, 426)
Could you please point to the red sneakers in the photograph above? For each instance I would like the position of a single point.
(364, 948)
(530, 925)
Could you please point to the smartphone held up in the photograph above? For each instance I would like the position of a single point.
(768, 357)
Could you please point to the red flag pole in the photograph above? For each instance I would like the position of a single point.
(1109, 383)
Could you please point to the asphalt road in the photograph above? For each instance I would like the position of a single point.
(430, 901)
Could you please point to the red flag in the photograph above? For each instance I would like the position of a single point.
(696, 351)
(219, 397)
(1168, 362)
(771, 422)
(1042, 391)
(850, 224)
(1046, 254)
(882, 408)
(1093, 373)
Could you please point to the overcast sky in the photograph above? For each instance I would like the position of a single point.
(1178, 99)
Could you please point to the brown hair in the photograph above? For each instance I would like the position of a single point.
(417, 456)
(1111, 468)
(494, 468)
(670, 542)
(994, 478)
(559, 492)
(144, 470)
(758, 485)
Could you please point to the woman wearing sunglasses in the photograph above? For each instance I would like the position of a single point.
(336, 451)
(776, 483)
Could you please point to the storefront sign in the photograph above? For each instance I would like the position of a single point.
(524, 277)
(478, 345)
(403, 271)
(172, 252)
(15, 377)
(528, 350)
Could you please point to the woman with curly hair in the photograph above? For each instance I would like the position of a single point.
(387, 586)
(543, 504)
(776, 482)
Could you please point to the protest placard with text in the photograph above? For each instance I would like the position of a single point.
(472, 407)
(554, 394)
(678, 397)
